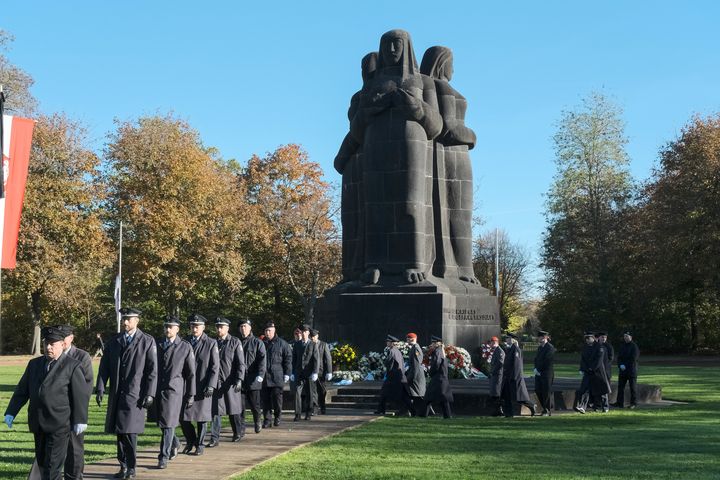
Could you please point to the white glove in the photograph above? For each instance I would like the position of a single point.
(292, 378)
(535, 371)
(259, 379)
(622, 367)
(328, 377)
(9, 420)
(287, 377)
(581, 372)
(79, 428)
(313, 377)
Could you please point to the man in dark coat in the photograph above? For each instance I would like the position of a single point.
(129, 363)
(439, 389)
(594, 383)
(495, 381)
(601, 338)
(415, 375)
(58, 394)
(279, 368)
(175, 389)
(207, 367)
(256, 364)
(514, 390)
(395, 385)
(628, 366)
(228, 396)
(544, 372)
(324, 369)
(305, 368)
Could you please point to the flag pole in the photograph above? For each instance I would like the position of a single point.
(497, 263)
(118, 283)
(2, 193)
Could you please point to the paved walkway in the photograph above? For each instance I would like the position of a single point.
(229, 459)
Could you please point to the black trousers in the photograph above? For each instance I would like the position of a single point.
(622, 381)
(252, 400)
(169, 441)
(447, 413)
(418, 406)
(321, 393)
(193, 438)
(545, 395)
(75, 460)
(272, 400)
(216, 426)
(407, 404)
(304, 395)
(509, 397)
(127, 450)
(50, 451)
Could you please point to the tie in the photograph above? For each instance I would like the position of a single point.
(128, 339)
(194, 341)
(50, 365)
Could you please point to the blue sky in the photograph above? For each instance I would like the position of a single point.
(251, 76)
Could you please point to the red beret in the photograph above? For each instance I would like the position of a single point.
(494, 339)
(411, 335)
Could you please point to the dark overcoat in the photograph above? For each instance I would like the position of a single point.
(496, 371)
(415, 373)
(255, 362)
(325, 360)
(439, 388)
(545, 365)
(58, 398)
(232, 370)
(132, 373)
(305, 360)
(207, 367)
(176, 382)
(279, 361)
(513, 380)
(628, 355)
(395, 383)
(609, 357)
(86, 364)
(592, 364)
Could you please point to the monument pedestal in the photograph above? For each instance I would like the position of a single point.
(464, 314)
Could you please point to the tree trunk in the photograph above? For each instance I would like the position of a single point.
(693, 323)
(36, 310)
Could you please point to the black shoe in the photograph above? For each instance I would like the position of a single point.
(130, 473)
(236, 438)
(199, 450)
(579, 409)
(276, 422)
(605, 410)
(266, 423)
(258, 427)
(616, 405)
(120, 474)
(188, 449)
(162, 464)
(308, 416)
(378, 412)
(173, 452)
(532, 409)
(213, 443)
(297, 417)
(322, 411)
(633, 406)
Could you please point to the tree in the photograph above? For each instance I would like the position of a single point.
(62, 247)
(513, 265)
(16, 82)
(585, 204)
(183, 215)
(297, 228)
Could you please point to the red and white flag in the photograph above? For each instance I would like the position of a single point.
(17, 139)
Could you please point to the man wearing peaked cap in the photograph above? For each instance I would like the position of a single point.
(207, 367)
(305, 369)
(129, 364)
(227, 399)
(175, 389)
(495, 380)
(628, 356)
(55, 386)
(438, 391)
(544, 372)
(324, 369)
(594, 382)
(256, 365)
(514, 391)
(415, 374)
(279, 368)
(601, 339)
(394, 386)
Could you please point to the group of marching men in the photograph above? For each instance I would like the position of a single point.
(172, 381)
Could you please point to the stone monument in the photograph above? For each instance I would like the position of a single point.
(406, 210)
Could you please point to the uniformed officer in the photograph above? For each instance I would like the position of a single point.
(207, 367)
(175, 389)
(415, 375)
(439, 389)
(594, 383)
(228, 395)
(305, 368)
(279, 368)
(514, 389)
(58, 394)
(394, 388)
(544, 372)
(129, 363)
(497, 360)
(256, 364)
(628, 366)
(324, 369)
(601, 338)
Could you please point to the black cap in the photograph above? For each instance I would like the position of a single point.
(196, 319)
(435, 338)
(627, 333)
(543, 333)
(304, 328)
(130, 312)
(270, 325)
(52, 334)
(589, 334)
(390, 338)
(245, 321)
(222, 321)
(66, 329)
(600, 333)
(172, 320)
(511, 335)
(314, 333)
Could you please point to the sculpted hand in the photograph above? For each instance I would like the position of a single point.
(79, 428)
(314, 377)
(286, 378)
(208, 392)
(148, 401)
(9, 420)
(189, 402)
(238, 386)
(98, 398)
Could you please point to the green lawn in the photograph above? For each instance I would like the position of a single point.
(681, 441)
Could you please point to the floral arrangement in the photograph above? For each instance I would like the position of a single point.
(344, 356)
(372, 364)
(486, 352)
(352, 375)
(459, 363)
